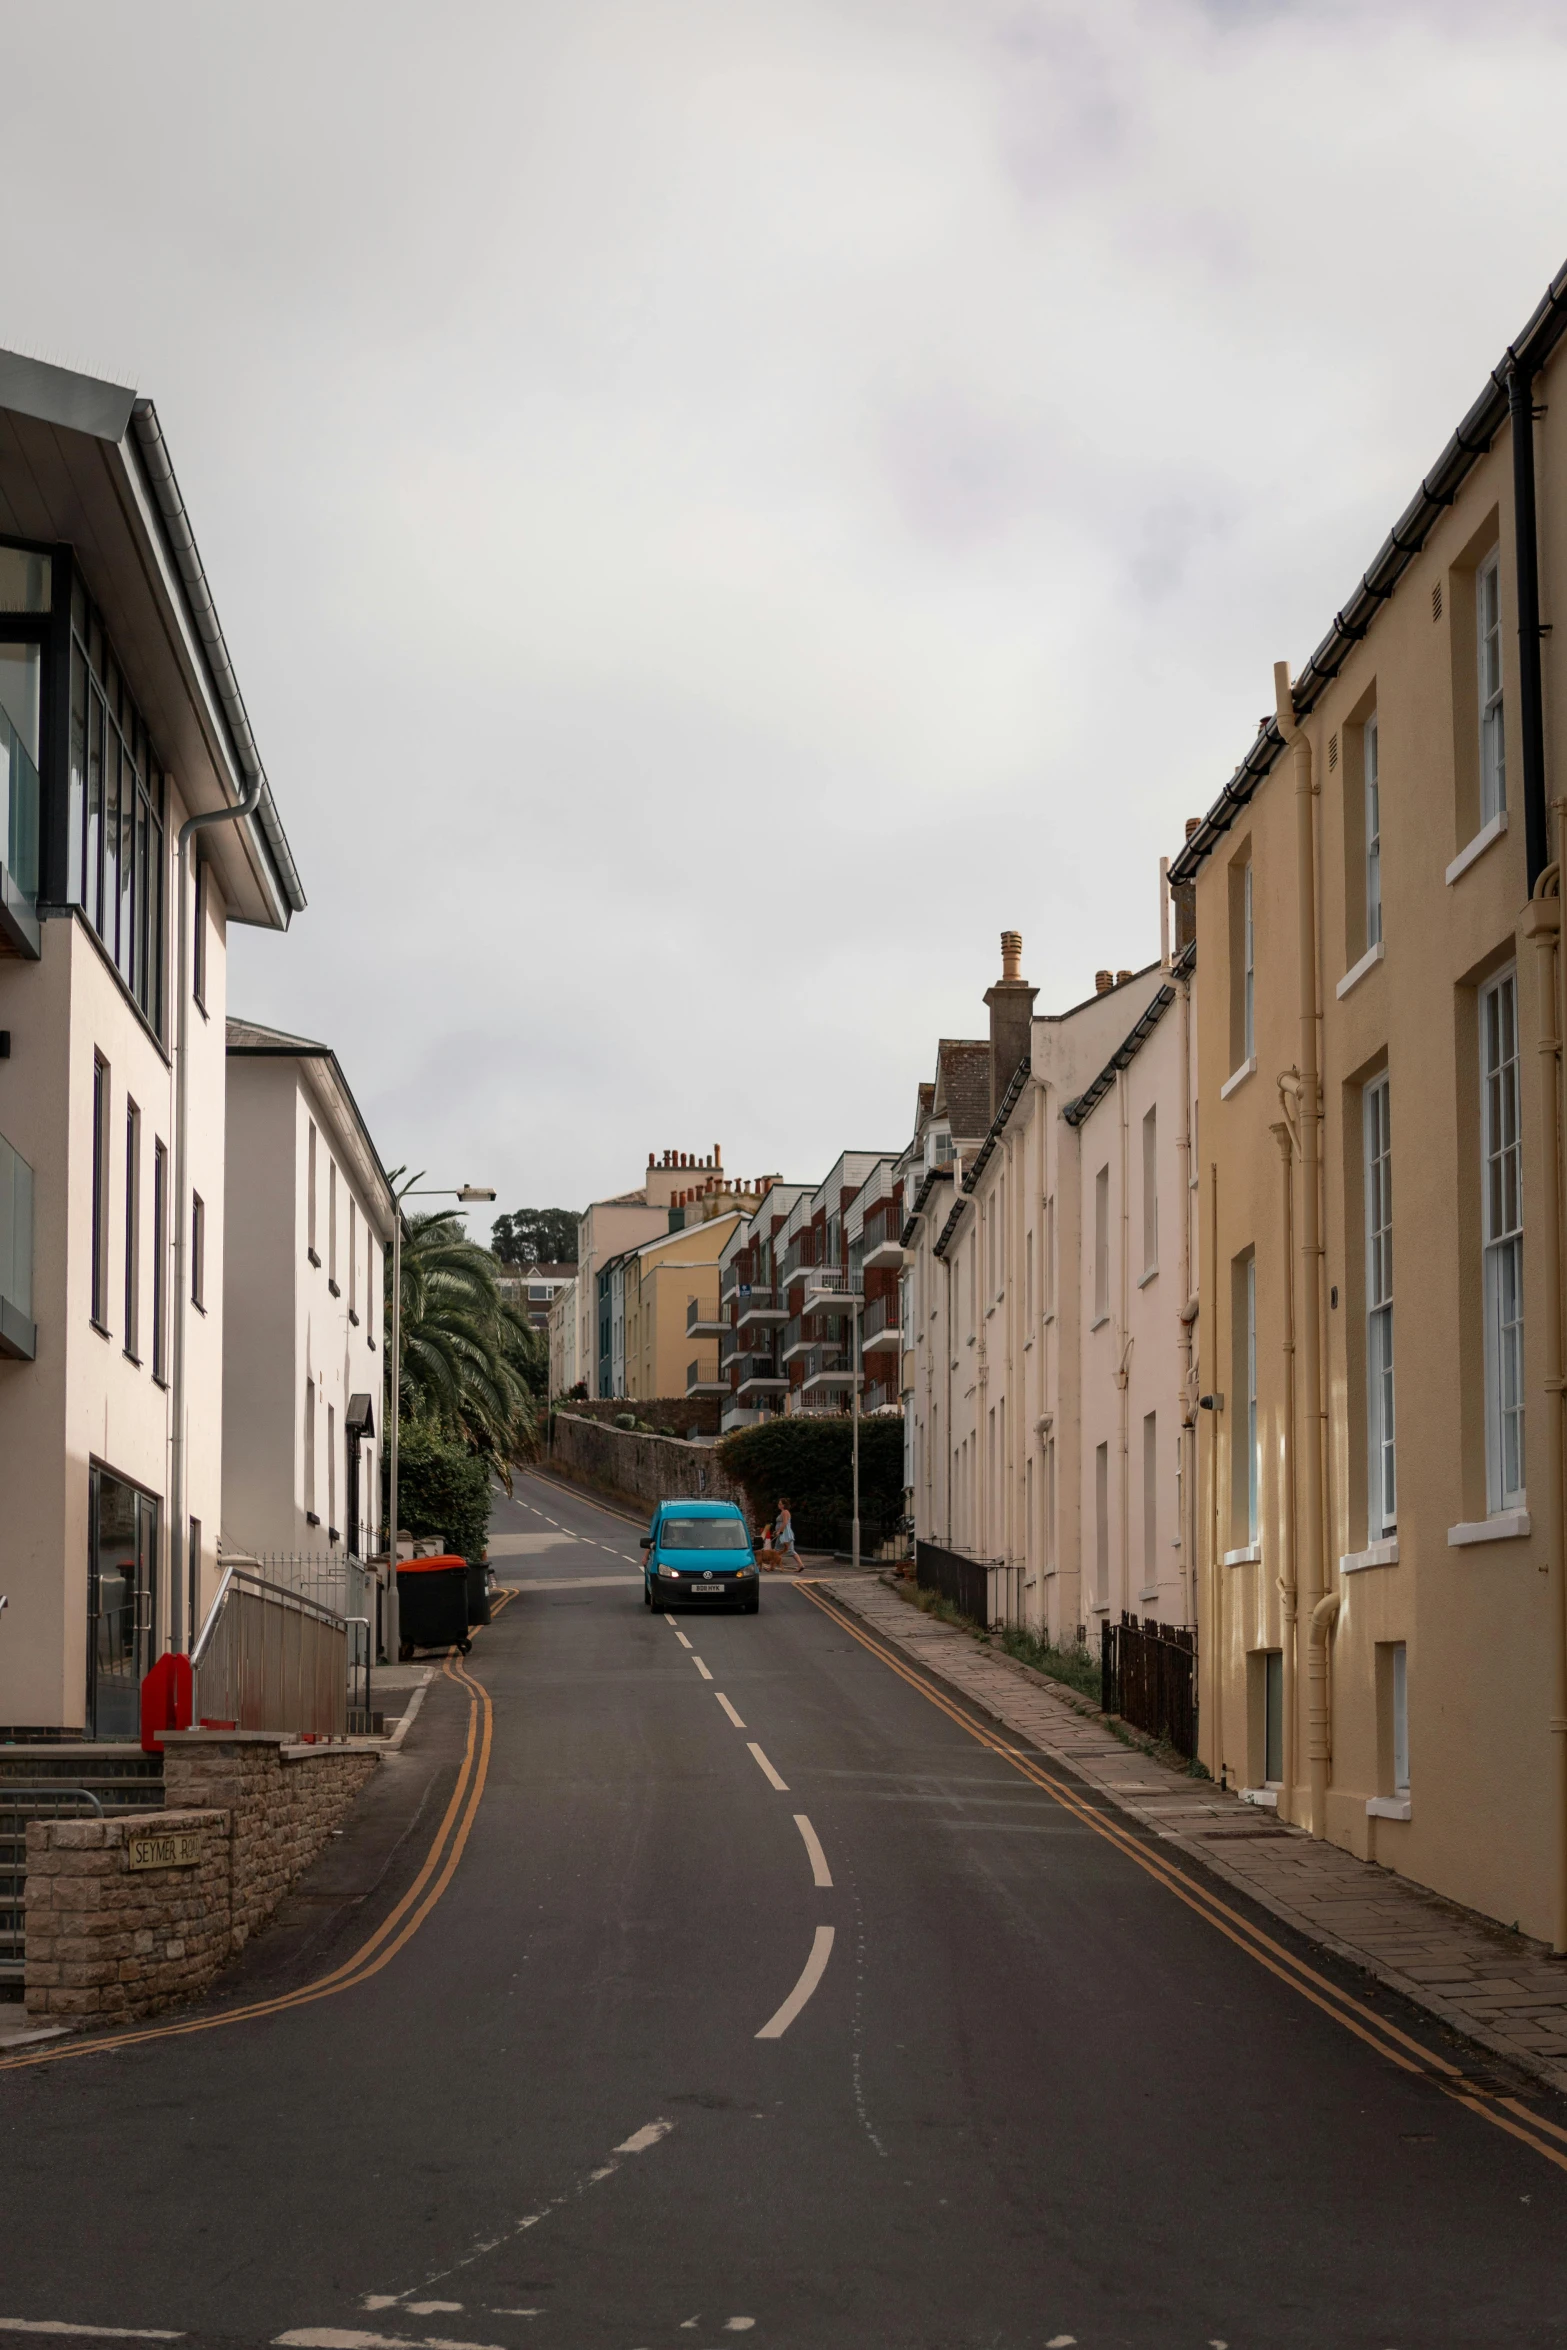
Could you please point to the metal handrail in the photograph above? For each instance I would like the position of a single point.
(51, 1787)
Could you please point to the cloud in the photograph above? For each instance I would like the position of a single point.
(719, 512)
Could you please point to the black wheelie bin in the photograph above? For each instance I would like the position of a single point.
(432, 1604)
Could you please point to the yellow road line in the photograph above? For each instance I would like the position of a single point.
(456, 1825)
(1376, 2031)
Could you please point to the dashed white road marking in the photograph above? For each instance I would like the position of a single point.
(821, 1874)
(349, 2338)
(670, 1621)
(738, 2325)
(701, 1668)
(1061, 2342)
(432, 2308)
(58, 2325)
(729, 1709)
(640, 2140)
(679, 1635)
(815, 1968)
(767, 1770)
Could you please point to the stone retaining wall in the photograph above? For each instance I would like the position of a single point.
(638, 1469)
(108, 1941)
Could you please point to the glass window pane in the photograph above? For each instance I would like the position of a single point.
(24, 580)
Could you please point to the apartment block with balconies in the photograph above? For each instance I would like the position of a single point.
(822, 1290)
(752, 1311)
(120, 719)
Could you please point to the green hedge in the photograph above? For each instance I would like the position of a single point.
(442, 1490)
(810, 1460)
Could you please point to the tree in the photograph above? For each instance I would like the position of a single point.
(809, 1459)
(535, 1236)
(464, 1348)
(443, 1489)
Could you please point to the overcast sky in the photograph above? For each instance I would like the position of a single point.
(719, 507)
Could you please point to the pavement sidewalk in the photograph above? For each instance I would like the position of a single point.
(1498, 1988)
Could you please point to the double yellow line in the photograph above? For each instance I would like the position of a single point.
(1505, 2113)
(392, 1935)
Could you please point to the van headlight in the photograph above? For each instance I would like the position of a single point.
(669, 1571)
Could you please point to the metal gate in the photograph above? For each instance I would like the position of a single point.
(1147, 1675)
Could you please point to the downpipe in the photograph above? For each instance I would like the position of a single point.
(1313, 1573)
(1288, 1596)
(1541, 925)
(182, 1569)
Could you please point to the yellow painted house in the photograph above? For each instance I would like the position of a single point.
(1383, 1609)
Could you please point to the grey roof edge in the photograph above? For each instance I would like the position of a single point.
(1004, 1110)
(61, 396)
(1124, 1055)
(1398, 550)
(928, 1183)
(299, 1048)
(146, 439)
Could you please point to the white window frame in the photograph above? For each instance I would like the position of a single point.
(1249, 977)
(1371, 740)
(1252, 1517)
(1151, 1190)
(1501, 1239)
(1400, 1677)
(1488, 652)
(1381, 1457)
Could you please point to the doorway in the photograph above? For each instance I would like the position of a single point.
(122, 1538)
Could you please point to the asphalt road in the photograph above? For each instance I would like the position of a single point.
(1015, 2093)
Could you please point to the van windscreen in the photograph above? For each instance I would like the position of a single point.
(702, 1534)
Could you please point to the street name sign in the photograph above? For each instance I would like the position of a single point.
(182, 1850)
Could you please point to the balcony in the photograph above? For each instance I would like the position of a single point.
(882, 1395)
(18, 1333)
(705, 1379)
(733, 1279)
(759, 1377)
(831, 1289)
(18, 844)
(761, 1309)
(739, 1415)
(828, 1370)
(705, 1321)
(880, 1329)
(881, 1249)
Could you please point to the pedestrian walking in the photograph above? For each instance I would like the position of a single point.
(783, 1537)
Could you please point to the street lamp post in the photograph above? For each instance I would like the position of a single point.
(465, 1192)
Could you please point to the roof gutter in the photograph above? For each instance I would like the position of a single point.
(153, 450)
(1403, 543)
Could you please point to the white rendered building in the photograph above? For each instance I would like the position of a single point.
(309, 1220)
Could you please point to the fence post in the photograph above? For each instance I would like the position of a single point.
(1107, 1667)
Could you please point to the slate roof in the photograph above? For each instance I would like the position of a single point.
(963, 1083)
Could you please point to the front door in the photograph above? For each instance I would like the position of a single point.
(121, 1597)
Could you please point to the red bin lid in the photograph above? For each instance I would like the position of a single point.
(437, 1566)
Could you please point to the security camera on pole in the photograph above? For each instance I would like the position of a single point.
(466, 1192)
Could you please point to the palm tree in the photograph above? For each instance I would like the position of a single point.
(463, 1344)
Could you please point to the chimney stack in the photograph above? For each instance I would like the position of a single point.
(1103, 982)
(1011, 1003)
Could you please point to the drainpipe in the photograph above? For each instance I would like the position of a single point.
(1287, 1590)
(1189, 1309)
(1215, 1403)
(1531, 714)
(179, 1529)
(1313, 1562)
(1542, 926)
(1123, 1376)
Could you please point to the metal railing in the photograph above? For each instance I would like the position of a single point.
(881, 1318)
(1147, 1675)
(758, 1301)
(965, 1582)
(798, 1257)
(701, 1317)
(271, 1658)
(700, 1377)
(833, 1363)
(22, 1801)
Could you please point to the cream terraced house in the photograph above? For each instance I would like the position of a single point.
(120, 719)
(1048, 1306)
(1384, 1645)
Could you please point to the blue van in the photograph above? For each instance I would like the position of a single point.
(699, 1550)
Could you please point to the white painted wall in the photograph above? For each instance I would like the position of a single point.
(285, 1323)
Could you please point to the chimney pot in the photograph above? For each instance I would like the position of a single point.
(1103, 982)
(1193, 824)
(1011, 954)
(1122, 977)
